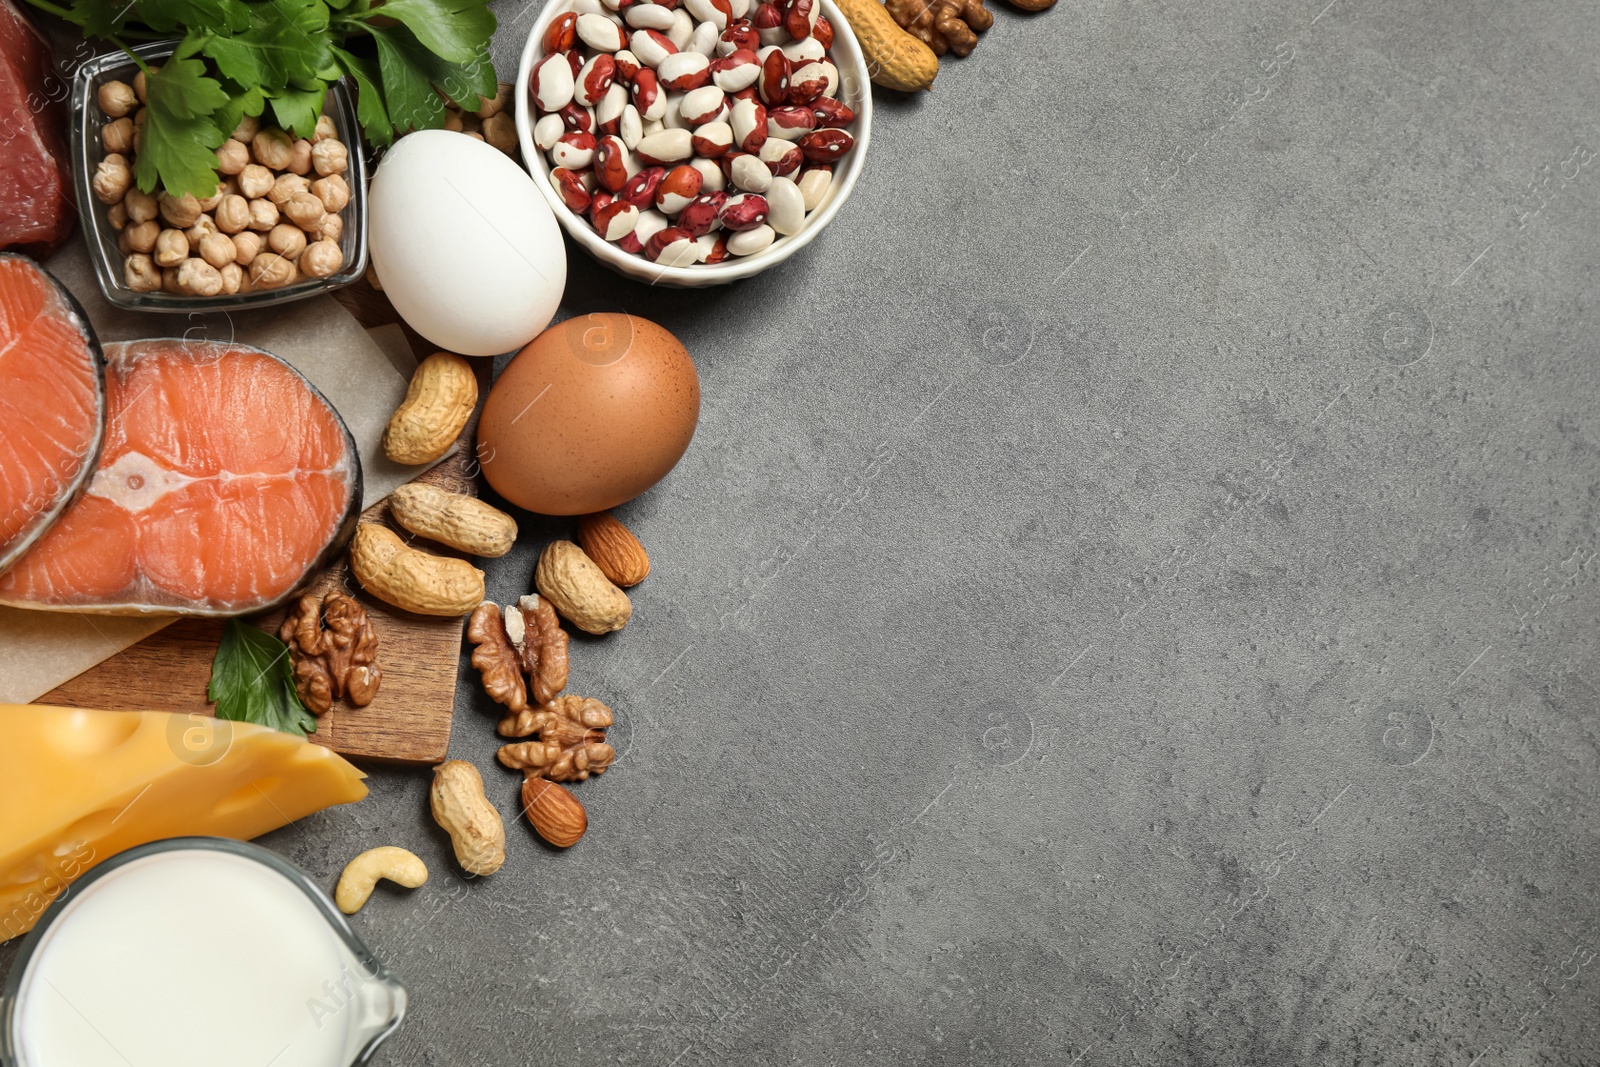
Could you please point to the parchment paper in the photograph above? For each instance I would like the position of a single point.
(363, 376)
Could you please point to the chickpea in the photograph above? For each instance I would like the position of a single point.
(172, 248)
(217, 250)
(141, 205)
(209, 203)
(139, 84)
(325, 129)
(452, 120)
(332, 227)
(245, 247)
(138, 135)
(470, 123)
(271, 149)
(200, 278)
(169, 281)
(233, 214)
(180, 211)
(333, 191)
(248, 127)
(321, 259)
(330, 157)
(287, 186)
(233, 156)
(501, 131)
(117, 136)
(116, 99)
(141, 273)
(122, 243)
(203, 227)
(142, 235)
(300, 157)
(305, 211)
(271, 271)
(288, 241)
(140, 117)
(255, 180)
(112, 179)
(263, 215)
(117, 214)
(474, 135)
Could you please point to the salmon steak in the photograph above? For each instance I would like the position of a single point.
(225, 483)
(52, 403)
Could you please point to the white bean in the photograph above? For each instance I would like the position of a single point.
(667, 146)
(630, 127)
(682, 29)
(714, 181)
(750, 174)
(649, 17)
(547, 131)
(814, 185)
(704, 39)
(599, 33)
(786, 206)
(807, 48)
(749, 242)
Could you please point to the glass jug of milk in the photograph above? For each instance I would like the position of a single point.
(195, 952)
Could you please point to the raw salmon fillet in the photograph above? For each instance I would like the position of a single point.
(226, 481)
(36, 200)
(52, 404)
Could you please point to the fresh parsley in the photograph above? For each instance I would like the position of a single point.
(246, 57)
(252, 680)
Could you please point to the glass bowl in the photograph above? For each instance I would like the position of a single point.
(101, 236)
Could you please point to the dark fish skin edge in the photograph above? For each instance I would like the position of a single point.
(86, 475)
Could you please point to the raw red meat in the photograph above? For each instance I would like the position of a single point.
(36, 202)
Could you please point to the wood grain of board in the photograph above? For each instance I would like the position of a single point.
(407, 722)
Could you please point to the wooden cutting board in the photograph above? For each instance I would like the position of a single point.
(407, 722)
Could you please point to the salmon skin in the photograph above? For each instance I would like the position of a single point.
(52, 403)
(226, 482)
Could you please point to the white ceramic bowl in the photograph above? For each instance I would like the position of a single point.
(854, 89)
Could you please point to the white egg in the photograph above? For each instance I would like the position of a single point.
(466, 248)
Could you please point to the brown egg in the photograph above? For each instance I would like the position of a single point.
(591, 413)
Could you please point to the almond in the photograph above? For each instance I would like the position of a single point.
(614, 549)
(555, 813)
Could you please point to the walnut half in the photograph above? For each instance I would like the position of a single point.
(334, 650)
(571, 744)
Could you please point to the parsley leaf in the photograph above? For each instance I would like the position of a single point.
(171, 16)
(252, 680)
(179, 135)
(99, 18)
(413, 105)
(454, 30)
(241, 102)
(369, 101)
(297, 109)
(242, 57)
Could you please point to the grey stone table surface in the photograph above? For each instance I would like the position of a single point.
(1131, 598)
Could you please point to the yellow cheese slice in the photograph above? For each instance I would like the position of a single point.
(80, 786)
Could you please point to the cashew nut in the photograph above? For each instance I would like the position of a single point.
(363, 872)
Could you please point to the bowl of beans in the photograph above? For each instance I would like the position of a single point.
(691, 143)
